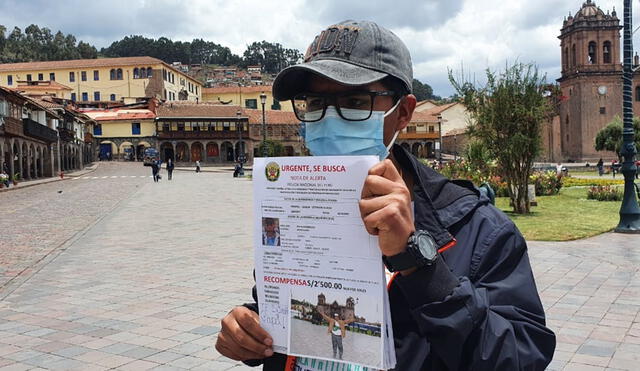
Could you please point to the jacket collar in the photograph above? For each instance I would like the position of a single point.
(439, 203)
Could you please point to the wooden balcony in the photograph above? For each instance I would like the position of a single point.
(419, 136)
(176, 135)
(36, 130)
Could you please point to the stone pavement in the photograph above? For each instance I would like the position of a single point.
(155, 267)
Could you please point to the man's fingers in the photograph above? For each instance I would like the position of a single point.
(386, 169)
(370, 205)
(376, 185)
(233, 351)
(249, 321)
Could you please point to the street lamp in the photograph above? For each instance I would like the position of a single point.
(629, 210)
(263, 100)
(240, 155)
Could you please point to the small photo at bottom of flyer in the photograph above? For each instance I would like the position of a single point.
(332, 326)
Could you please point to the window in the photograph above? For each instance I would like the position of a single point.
(606, 52)
(119, 74)
(73, 97)
(83, 75)
(85, 96)
(136, 73)
(9, 80)
(112, 97)
(181, 126)
(573, 55)
(251, 103)
(411, 129)
(135, 128)
(112, 74)
(97, 130)
(592, 57)
(276, 105)
(164, 74)
(96, 75)
(638, 93)
(52, 76)
(603, 110)
(165, 127)
(143, 73)
(96, 96)
(72, 76)
(149, 72)
(29, 77)
(565, 58)
(40, 76)
(431, 128)
(196, 89)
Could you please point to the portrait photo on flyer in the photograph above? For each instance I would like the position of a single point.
(336, 326)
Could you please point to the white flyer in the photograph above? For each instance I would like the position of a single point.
(319, 274)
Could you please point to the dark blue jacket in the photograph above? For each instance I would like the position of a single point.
(478, 308)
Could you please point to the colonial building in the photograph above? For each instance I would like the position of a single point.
(421, 135)
(27, 136)
(346, 311)
(591, 84)
(213, 133)
(123, 133)
(246, 96)
(105, 79)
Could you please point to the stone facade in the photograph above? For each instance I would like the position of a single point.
(591, 85)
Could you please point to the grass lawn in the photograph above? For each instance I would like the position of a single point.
(567, 216)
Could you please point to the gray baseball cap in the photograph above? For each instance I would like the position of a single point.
(350, 53)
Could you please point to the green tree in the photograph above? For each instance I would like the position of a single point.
(272, 57)
(423, 91)
(506, 114)
(274, 148)
(609, 138)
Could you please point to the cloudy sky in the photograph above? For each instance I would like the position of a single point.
(441, 34)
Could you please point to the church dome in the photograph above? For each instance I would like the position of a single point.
(588, 10)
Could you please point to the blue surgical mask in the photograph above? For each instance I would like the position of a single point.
(335, 136)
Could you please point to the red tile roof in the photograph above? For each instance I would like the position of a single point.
(425, 116)
(41, 85)
(120, 114)
(78, 63)
(236, 89)
(213, 110)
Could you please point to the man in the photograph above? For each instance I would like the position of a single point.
(465, 297)
(270, 235)
(338, 330)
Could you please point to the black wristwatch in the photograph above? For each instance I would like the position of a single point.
(421, 252)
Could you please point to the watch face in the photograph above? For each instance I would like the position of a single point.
(427, 246)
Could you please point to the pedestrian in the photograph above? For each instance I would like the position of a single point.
(155, 171)
(613, 168)
(600, 166)
(337, 328)
(463, 296)
(169, 169)
(559, 169)
(197, 166)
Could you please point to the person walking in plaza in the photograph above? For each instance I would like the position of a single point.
(197, 166)
(169, 168)
(600, 166)
(337, 328)
(155, 171)
(463, 296)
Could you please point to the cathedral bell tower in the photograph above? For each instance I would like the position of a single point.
(591, 80)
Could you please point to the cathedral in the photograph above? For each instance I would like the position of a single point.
(590, 84)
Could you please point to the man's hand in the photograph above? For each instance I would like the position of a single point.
(242, 337)
(385, 208)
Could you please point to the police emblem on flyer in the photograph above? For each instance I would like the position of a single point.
(272, 171)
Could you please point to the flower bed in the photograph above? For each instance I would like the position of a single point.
(604, 193)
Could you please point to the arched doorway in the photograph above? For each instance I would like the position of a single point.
(107, 150)
(16, 157)
(430, 152)
(196, 151)
(166, 152)
(127, 151)
(139, 155)
(226, 152)
(182, 152)
(25, 161)
(240, 151)
(213, 152)
(416, 149)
